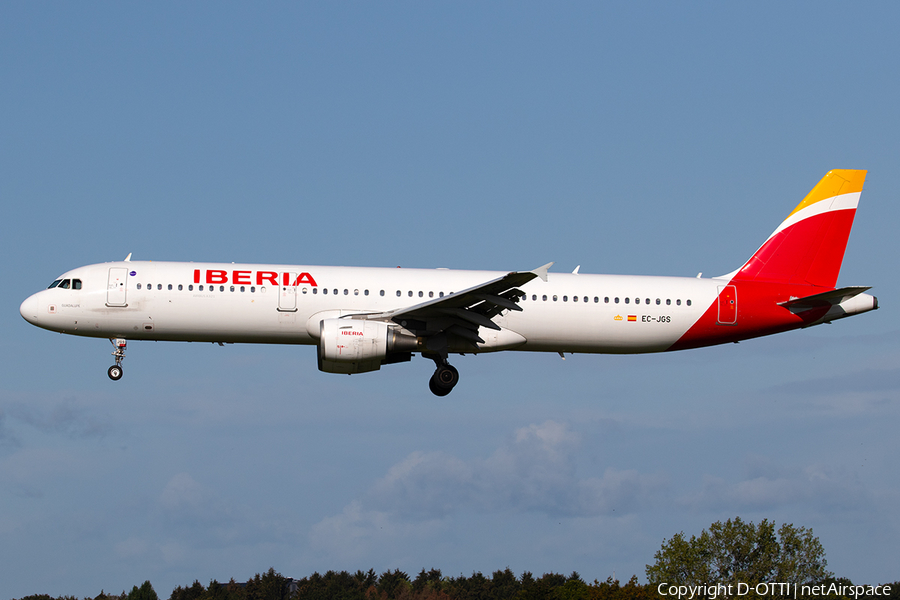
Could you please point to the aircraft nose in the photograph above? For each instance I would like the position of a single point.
(29, 310)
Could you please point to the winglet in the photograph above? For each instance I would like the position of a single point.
(542, 271)
(128, 258)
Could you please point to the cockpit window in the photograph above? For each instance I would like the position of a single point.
(54, 284)
(76, 284)
(65, 284)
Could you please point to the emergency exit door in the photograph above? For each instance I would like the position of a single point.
(287, 294)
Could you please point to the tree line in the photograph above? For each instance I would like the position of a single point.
(727, 554)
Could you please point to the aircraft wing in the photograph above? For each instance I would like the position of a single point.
(462, 313)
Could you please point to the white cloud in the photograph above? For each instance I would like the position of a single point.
(535, 471)
(357, 533)
(131, 547)
(182, 492)
(812, 486)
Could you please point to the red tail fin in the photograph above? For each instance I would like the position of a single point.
(808, 247)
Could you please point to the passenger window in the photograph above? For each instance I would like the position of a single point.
(678, 302)
(334, 291)
(545, 297)
(346, 292)
(627, 300)
(441, 294)
(243, 289)
(410, 293)
(170, 287)
(617, 300)
(180, 287)
(398, 293)
(304, 291)
(253, 289)
(138, 286)
(200, 288)
(315, 290)
(647, 301)
(688, 302)
(421, 294)
(356, 292)
(381, 293)
(555, 298)
(657, 301)
(565, 298)
(191, 288)
(431, 294)
(606, 299)
(534, 297)
(574, 298)
(324, 290)
(586, 299)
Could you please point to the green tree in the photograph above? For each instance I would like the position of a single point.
(391, 584)
(270, 586)
(145, 592)
(737, 552)
(195, 592)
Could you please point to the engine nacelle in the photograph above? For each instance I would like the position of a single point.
(358, 346)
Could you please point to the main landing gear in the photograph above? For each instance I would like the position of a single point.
(444, 379)
(115, 371)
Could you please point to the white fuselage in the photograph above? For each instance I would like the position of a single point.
(249, 303)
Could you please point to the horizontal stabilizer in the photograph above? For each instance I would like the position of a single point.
(824, 299)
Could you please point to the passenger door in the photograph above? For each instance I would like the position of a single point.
(115, 286)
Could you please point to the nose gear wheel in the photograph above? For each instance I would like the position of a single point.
(115, 372)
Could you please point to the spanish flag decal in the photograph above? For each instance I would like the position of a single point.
(632, 318)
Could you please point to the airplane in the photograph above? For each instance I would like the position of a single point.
(361, 318)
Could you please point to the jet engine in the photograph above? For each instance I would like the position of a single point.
(358, 346)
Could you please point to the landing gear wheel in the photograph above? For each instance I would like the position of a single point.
(437, 391)
(444, 380)
(115, 371)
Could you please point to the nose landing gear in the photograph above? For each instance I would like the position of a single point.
(115, 371)
(444, 379)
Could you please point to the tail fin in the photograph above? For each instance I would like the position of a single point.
(808, 247)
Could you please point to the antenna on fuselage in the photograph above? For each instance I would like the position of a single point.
(128, 258)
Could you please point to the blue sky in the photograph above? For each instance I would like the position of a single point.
(657, 138)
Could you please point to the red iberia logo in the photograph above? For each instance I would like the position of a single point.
(632, 318)
(249, 277)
